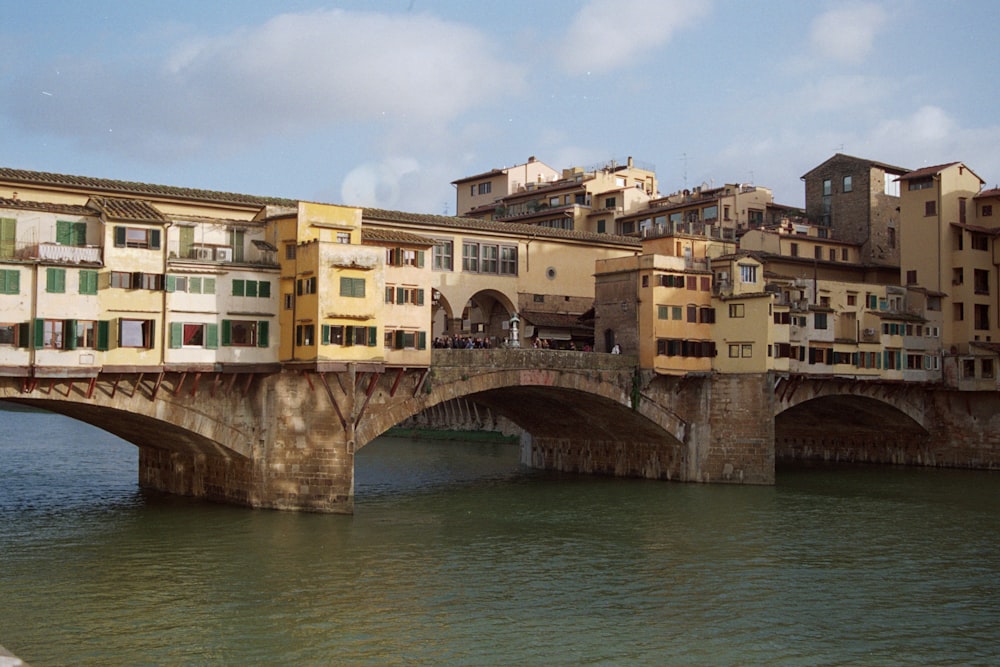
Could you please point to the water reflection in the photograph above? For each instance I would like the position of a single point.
(457, 555)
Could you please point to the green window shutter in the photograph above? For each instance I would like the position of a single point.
(176, 334)
(152, 335)
(400, 295)
(349, 335)
(209, 286)
(69, 334)
(372, 336)
(154, 239)
(186, 241)
(103, 334)
(324, 334)
(420, 258)
(264, 289)
(212, 336)
(345, 286)
(10, 282)
(79, 233)
(251, 288)
(88, 282)
(422, 340)
(194, 285)
(238, 287)
(24, 334)
(420, 297)
(119, 237)
(55, 280)
(359, 287)
(8, 237)
(227, 332)
(399, 340)
(170, 283)
(39, 334)
(263, 340)
(64, 232)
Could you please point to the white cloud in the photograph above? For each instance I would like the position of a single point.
(606, 35)
(292, 74)
(854, 93)
(847, 33)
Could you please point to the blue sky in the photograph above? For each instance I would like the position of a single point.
(385, 103)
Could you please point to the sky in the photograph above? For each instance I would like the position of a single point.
(384, 104)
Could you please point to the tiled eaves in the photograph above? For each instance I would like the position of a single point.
(492, 226)
(46, 207)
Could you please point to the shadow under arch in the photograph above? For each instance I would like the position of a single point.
(847, 427)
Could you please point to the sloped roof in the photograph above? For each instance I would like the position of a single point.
(861, 160)
(119, 208)
(925, 171)
(992, 192)
(380, 235)
(48, 207)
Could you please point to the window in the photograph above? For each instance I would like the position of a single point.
(404, 257)
(891, 239)
(833, 254)
(692, 314)
(88, 282)
(485, 188)
(987, 368)
(852, 299)
(405, 340)
(508, 260)
(71, 233)
(706, 315)
(404, 295)
(710, 213)
(734, 350)
(676, 312)
(194, 334)
(748, 273)
(53, 333)
(305, 285)
(930, 208)
(921, 183)
(987, 210)
(55, 281)
(736, 310)
(848, 184)
(443, 255)
(136, 333)
(352, 287)
(288, 300)
(10, 281)
(795, 250)
(610, 202)
(980, 242)
(252, 288)
(344, 238)
(819, 320)
(602, 226)
(85, 334)
(14, 335)
(289, 251)
(958, 311)
(692, 282)
(137, 237)
(245, 333)
(489, 259)
(890, 185)
(818, 252)
(911, 277)
(335, 334)
(305, 334)
(470, 257)
(827, 187)
(981, 316)
(746, 350)
(981, 281)
(663, 312)
(121, 279)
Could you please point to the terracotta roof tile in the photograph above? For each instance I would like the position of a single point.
(369, 234)
(925, 171)
(68, 209)
(118, 208)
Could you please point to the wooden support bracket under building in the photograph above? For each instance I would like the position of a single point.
(395, 383)
(420, 382)
(156, 387)
(333, 401)
(372, 383)
(90, 387)
(180, 383)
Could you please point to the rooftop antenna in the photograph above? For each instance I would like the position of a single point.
(684, 158)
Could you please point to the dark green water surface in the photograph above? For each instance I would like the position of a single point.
(456, 555)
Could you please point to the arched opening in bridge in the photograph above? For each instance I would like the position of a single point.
(487, 316)
(848, 428)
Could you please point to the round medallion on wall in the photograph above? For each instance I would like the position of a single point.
(550, 273)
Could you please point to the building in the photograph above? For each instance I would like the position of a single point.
(484, 190)
(857, 200)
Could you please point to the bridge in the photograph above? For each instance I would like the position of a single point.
(286, 439)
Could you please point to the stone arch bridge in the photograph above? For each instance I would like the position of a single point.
(286, 438)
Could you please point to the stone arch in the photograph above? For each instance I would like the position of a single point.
(546, 403)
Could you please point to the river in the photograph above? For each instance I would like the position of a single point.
(457, 555)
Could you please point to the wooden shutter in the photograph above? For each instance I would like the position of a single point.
(8, 237)
(176, 334)
(262, 333)
(39, 333)
(170, 283)
(227, 332)
(264, 289)
(372, 336)
(238, 287)
(69, 334)
(120, 237)
(154, 239)
(212, 336)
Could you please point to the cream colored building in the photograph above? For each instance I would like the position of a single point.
(484, 190)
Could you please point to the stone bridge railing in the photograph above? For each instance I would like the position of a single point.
(532, 358)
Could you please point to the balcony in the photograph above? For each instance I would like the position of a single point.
(54, 252)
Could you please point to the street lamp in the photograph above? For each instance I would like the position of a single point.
(515, 340)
